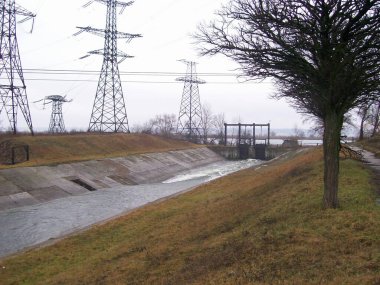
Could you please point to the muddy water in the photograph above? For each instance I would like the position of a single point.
(29, 226)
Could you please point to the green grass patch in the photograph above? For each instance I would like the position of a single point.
(262, 226)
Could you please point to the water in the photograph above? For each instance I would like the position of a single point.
(214, 170)
(32, 225)
(302, 142)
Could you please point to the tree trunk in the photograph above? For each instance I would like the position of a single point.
(363, 117)
(361, 132)
(376, 119)
(331, 146)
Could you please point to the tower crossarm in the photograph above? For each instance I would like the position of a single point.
(57, 98)
(123, 5)
(121, 35)
(118, 53)
(190, 80)
(118, 3)
(101, 33)
(98, 32)
(23, 12)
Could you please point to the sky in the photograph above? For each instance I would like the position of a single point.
(166, 27)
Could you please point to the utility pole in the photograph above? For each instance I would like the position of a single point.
(12, 84)
(109, 113)
(190, 113)
(57, 124)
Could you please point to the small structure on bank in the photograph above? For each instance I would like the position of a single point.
(12, 152)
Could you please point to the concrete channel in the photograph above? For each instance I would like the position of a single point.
(33, 185)
(39, 204)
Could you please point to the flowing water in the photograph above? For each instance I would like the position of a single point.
(28, 226)
(214, 170)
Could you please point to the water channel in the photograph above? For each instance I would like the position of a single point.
(32, 225)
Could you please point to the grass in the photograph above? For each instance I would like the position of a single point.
(263, 226)
(54, 149)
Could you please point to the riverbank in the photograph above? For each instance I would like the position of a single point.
(257, 226)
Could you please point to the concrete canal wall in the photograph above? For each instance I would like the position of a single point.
(33, 185)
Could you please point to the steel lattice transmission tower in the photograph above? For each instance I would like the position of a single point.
(12, 83)
(190, 113)
(57, 124)
(109, 113)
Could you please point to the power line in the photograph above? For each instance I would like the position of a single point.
(139, 81)
(82, 72)
(148, 73)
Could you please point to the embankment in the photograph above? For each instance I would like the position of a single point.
(55, 149)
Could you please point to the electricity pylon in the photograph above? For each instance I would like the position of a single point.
(12, 84)
(190, 113)
(57, 124)
(109, 113)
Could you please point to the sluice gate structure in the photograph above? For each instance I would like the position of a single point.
(250, 140)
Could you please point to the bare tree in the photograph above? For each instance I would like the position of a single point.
(324, 56)
(298, 133)
(207, 122)
(369, 114)
(362, 112)
(163, 125)
(219, 122)
(374, 117)
(144, 128)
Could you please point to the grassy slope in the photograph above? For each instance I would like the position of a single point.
(50, 149)
(260, 226)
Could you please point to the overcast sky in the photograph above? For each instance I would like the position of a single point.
(166, 26)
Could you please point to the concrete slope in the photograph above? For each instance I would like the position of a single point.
(32, 185)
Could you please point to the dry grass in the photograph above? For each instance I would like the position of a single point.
(54, 149)
(262, 226)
